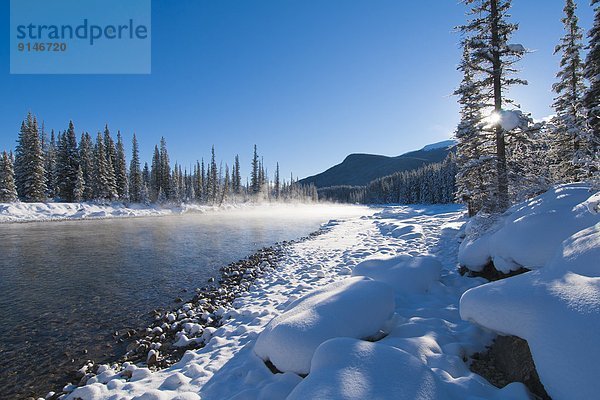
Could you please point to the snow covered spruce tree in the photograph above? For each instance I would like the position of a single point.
(104, 187)
(87, 164)
(474, 154)
(591, 100)
(135, 173)
(121, 179)
(50, 151)
(30, 176)
(492, 58)
(569, 127)
(67, 164)
(8, 190)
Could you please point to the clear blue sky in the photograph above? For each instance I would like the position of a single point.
(308, 81)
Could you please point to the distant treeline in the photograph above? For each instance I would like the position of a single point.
(429, 184)
(60, 168)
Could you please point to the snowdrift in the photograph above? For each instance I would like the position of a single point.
(529, 233)
(556, 308)
(355, 307)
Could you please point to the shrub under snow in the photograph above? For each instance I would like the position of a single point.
(355, 307)
(556, 309)
(529, 233)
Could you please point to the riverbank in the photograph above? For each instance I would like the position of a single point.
(424, 324)
(375, 307)
(41, 212)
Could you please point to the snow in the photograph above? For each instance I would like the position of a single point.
(406, 274)
(356, 307)
(517, 48)
(290, 314)
(345, 368)
(440, 145)
(29, 212)
(556, 308)
(529, 233)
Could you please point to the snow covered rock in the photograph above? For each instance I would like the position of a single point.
(349, 369)
(532, 231)
(406, 274)
(557, 310)
(356, 307)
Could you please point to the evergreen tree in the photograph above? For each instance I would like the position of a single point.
(277, 184)
(79, 186)
(165, 168)
(591, 101)
(237, 177)
(50, 167)
(122, 182)
(213, 178)
(226, 185)
(135, 173)
(110, 153)
(155, 175)
(8, 190)
(492, 57)
(104, 188)
(87, 164)
(475, 150)
(67, 163)
(30, 176)
(254, 176)
(569, 123)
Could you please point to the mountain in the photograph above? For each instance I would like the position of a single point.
(360, 169)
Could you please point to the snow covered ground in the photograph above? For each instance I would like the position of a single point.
(391, 331)
(556, 307)
(29, 212)
(32, 212)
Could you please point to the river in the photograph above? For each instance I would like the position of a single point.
(67, 287)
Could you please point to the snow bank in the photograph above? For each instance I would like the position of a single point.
(355, 307)
(406, 274)
(28, 212)
(352, 369)
(530, 232)
(557, 310)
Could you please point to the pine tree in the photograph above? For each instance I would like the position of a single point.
(237, 178)
(475, 150)
(155, 175)
(30, 176)
(67, 163)
(569, 123)
(226, 185)
(121, 180)
(135, 173)
(79, 186)
(104, 189)
(8, 190)
(492, 57)
(591, 101)
(254, 176)
(277, 184)
(110, 153)
(165, 168)
(87, 163)
(213, 178)
(50, 167)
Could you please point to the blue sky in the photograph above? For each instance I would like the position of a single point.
(308, 81)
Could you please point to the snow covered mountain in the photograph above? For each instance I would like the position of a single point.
(360, 169)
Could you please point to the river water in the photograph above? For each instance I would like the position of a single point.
(67, 287)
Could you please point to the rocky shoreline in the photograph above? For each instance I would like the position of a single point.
(187, 327)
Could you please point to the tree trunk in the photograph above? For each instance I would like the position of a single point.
(502, 200)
